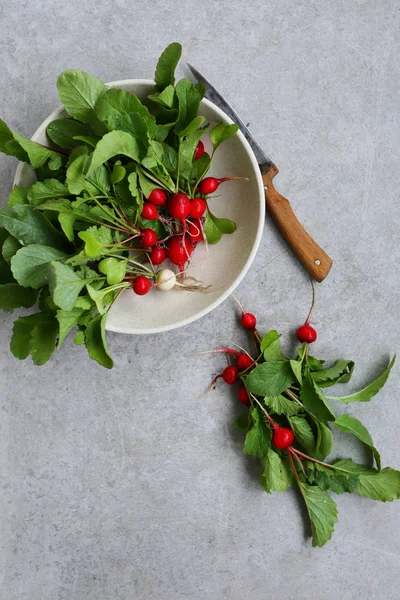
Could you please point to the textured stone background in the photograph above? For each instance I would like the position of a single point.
(126, 484)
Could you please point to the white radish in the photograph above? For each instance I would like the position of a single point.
(165, 280)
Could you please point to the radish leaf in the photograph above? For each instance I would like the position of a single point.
(96, 240)
(276, 475)
(281, 405)
(67, 320)
(222, 132)
(30, 264)
(322, 512)
(124, 111)
(268, 339)
(14, 296)
(258, 438)
(10, 247)
(188, 102)
(19, 195)
(65, 285)
(303, 433)
(50, 189)
(324, 443)
(349, 424)
(166, 65)
(270, 379)
(340, 372)
(34, 335)
(214, 227)
(370, 391)
(314, 400)
(381, 485)
(79, 92)
(64, 132)
(112, 144)
(96, 343)
(166, 98)
(29, 226)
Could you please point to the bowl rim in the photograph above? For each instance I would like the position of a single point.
(261, 214)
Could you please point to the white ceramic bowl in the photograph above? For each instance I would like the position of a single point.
(225, 264)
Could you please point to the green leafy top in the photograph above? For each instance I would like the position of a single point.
(287, 393)
(165, 70)
(67, 240)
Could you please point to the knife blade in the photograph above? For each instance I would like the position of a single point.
(313, 258)
(264, 162)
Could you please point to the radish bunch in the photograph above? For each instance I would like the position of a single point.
(289, 421)
(122, 191)
(183, 219)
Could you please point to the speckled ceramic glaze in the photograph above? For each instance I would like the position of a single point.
(223, 265)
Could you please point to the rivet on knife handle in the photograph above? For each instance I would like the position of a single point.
(315, 260)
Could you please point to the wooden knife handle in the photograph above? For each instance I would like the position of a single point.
(314, 259)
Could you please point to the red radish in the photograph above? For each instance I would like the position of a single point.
(141, 285)
(149, 211)
(195, 232)
(177, 252)
(244, 396)
(230, 375)
(306, 333)
(149, 238)
(179, 206)
(198, 208)
(210, 184)
(282, 437)
(158, 255)
(199, 150)
(158, 197)
(244, 361)
(248, 321)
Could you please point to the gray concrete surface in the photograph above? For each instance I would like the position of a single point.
(126, 485)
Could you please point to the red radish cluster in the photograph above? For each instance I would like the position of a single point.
(232, 374)
(282, 437)
(181, 217)
(244, 362)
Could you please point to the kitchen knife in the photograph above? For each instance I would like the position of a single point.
(315, 260)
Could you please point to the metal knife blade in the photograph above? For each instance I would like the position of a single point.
(212, 94)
